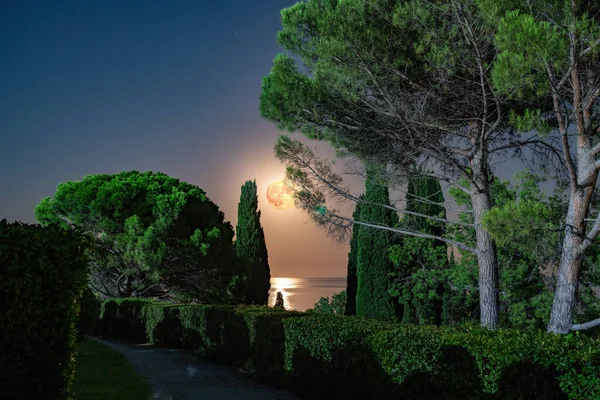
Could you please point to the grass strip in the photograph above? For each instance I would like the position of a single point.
(102, 373)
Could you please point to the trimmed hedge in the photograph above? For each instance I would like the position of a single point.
(43, 272)
(89, 313)
(329, 356)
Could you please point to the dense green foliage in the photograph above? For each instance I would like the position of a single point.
(332, 356)
(42, 274)
(525, 222)
(337, 304)
(250, 246)
(329, 356)
(102, 373)
(153, 235)
(526, 251)
(351, 274)
(373, 265)
(421, 265)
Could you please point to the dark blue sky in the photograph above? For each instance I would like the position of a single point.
(173, 86)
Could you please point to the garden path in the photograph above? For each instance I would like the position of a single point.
(176, 374)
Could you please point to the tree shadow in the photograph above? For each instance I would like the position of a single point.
(525, 380)
(457, 379)
(351, 374)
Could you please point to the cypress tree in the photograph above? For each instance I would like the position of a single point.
(351, 277)
(422, 260)
(373, 299)
(250, 245)
(425, 196)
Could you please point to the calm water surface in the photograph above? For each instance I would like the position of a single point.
(302, 293)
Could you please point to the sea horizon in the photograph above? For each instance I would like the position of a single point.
(302, 293)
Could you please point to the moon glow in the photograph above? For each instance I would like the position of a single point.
(280, 196)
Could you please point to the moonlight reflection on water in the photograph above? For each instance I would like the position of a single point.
(302, 293)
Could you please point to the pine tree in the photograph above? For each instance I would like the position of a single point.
(250, 245)
(351, 277)
(373, 265)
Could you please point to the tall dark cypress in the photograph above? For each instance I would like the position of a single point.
(351, 277)
(373, 299)
(425, 196)
(250, 245)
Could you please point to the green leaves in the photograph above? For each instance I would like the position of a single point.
(43, 273)
(147, 228)
(527, 222)
(528, 46)
(373, 266)
(251, 247)
(337, 304)
(530, 120)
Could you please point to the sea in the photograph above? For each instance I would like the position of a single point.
(302, 293)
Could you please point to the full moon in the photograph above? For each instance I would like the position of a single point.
(280, 196)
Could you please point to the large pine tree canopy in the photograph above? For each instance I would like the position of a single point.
(154, 235)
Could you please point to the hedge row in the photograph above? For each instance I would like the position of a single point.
(42, 274)
(329, 356)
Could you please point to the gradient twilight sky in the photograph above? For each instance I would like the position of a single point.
(104, 86)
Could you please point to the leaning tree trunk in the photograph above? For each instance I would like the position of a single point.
(567, 282)
(487, 259)
(583, 182)
(565, 293)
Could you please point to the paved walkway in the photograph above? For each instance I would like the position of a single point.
(176, 374)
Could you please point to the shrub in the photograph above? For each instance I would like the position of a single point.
(329, 356)
(163, 324)
(534, 362)
(476, 363)
(42, 274)
(124, 319)
(266, 340)
(422, 366)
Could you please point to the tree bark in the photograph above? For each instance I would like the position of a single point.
(487, 259)
(565, 294)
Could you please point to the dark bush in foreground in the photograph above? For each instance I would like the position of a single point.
(329, 356)
(42, 275)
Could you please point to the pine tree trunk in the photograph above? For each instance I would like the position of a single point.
(486, 249)
(583, 183)
(565, 294)
(488, 265)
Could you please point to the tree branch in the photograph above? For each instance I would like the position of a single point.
(586, 325)
(562, 124)
(591, 236)
(402, 231)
